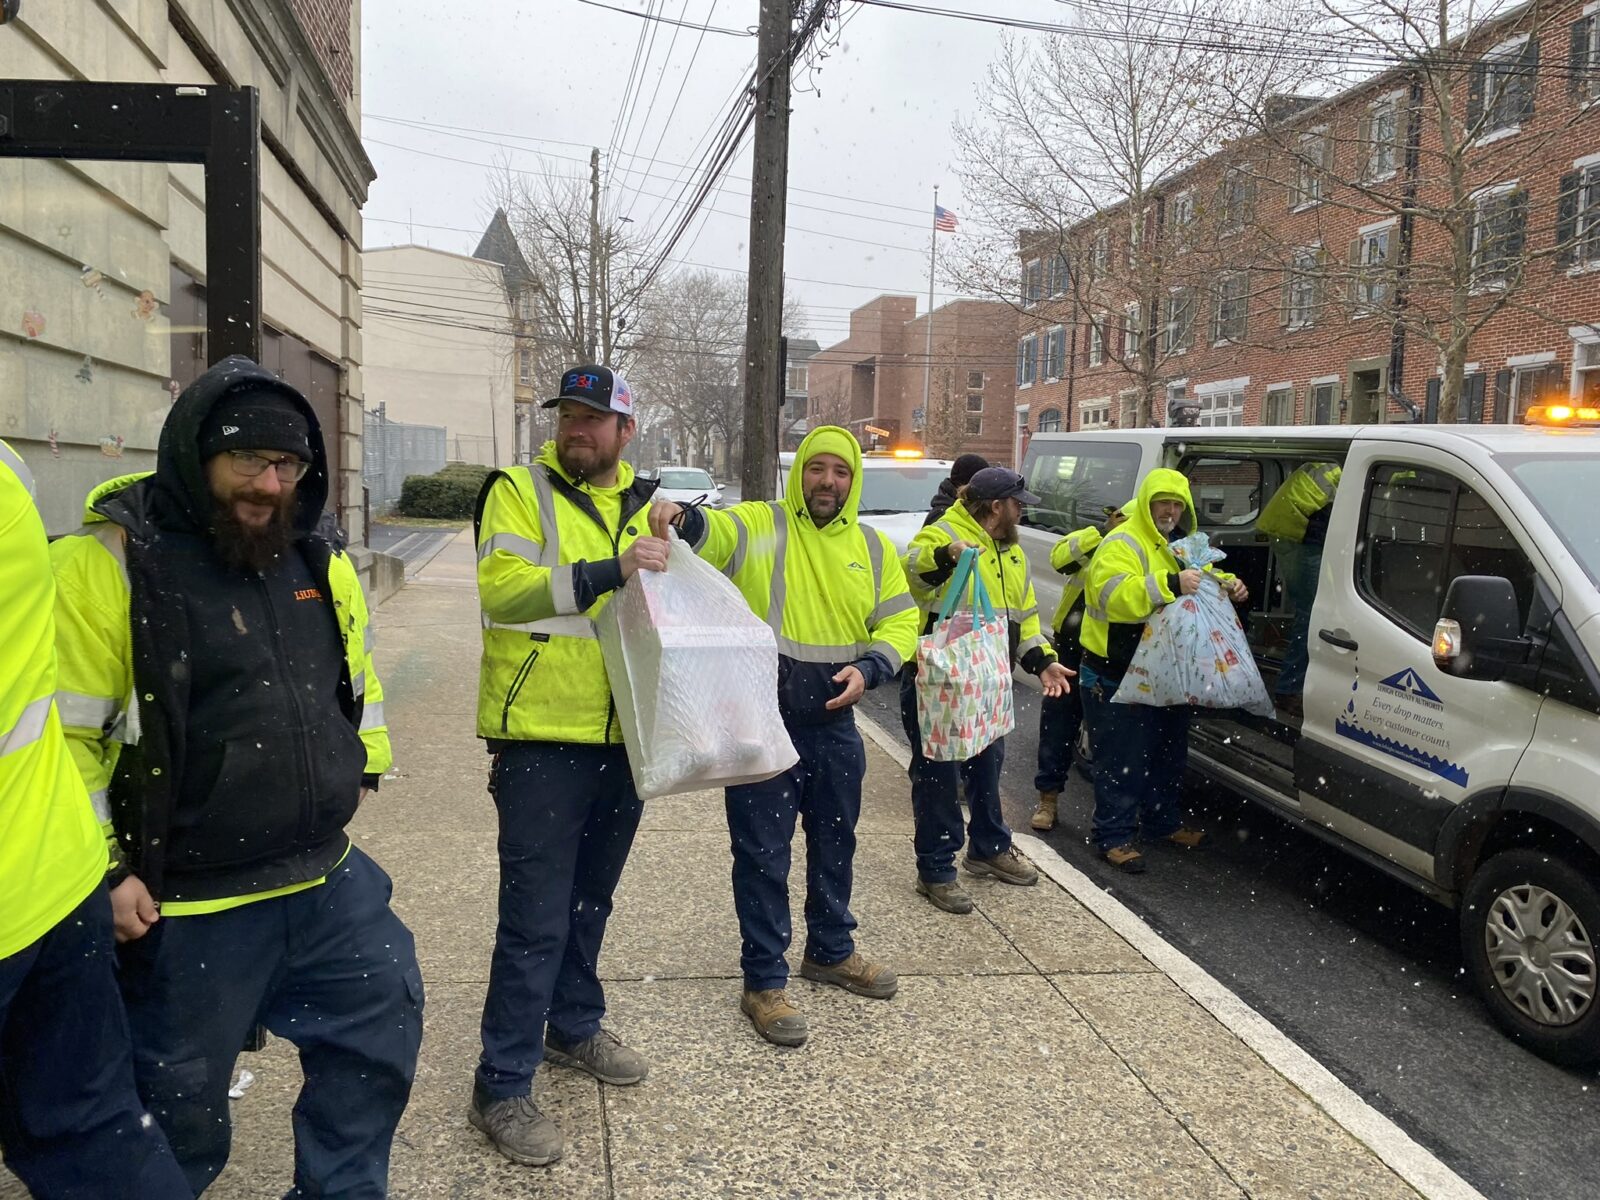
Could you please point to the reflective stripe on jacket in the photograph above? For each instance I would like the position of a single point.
(1309, 489)
(547, 547)
(1004, 570)
(52, 850)
(1070, 557)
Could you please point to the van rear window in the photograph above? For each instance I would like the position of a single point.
(1076, 481)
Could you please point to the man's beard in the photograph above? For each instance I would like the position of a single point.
(830, 507)
(599, 464)
(252, 547)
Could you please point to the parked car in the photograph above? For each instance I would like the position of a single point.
(684, 485)
(896, 488)
(1451, 714)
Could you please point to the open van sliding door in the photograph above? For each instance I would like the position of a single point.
(1390, 744)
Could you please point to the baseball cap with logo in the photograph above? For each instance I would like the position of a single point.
(598, 387)
(999, 483)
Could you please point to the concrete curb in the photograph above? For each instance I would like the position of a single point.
(1397, 1149)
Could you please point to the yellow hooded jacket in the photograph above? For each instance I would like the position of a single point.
(547, 564)
(52, 850)
(1003, 568)
(1070, 557)
(834, 597)
(1308, 491)
(1133, 573)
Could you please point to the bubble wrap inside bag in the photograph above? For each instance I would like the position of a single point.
(695, 677)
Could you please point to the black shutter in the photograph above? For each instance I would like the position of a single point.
(1567, 220)
(1475, 390)
(1502, 396)
(1430, 407)
(1527, 76)
(1475, 81)
(1578, 55)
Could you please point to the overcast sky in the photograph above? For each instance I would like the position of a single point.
(874, 142)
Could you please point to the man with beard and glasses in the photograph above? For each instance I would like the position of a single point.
(836, 599)
(984, 519)
(1139, 751)
(218, 693)
(555, 539)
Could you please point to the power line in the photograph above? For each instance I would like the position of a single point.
(676, 100)
(645, 16)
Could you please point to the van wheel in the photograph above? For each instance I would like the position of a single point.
(1528, 927)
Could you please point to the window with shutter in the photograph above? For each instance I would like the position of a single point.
(1499, 230)
(1583, 59)
(1500, 95)
(1578, 219)
(1133, 330)
(1230, 307)
(1371, 254)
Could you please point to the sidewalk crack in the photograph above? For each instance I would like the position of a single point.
(605, 1142)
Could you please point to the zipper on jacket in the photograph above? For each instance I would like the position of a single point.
(517, 681)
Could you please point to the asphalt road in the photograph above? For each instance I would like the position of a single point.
(1364, 973)
(412, 546)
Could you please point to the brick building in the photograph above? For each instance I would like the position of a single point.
(1319, 271)
(877, 376)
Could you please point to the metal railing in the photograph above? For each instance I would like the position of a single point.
(391, 451)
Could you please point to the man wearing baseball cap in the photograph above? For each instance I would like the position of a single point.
(985, 518)
(555, 540)
(217, 691)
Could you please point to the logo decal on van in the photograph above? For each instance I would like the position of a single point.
(1409, 683)
(1402, 718)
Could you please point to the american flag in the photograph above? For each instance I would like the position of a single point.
(943, 219)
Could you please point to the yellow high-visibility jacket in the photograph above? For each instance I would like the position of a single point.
(1070, 557)
(547, 565)
(1004, 570)
(52, 850)
(1309, 489)
(834, 596)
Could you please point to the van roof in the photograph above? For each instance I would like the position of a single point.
(1495, 439)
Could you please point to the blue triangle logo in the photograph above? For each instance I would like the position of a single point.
(1411, 683)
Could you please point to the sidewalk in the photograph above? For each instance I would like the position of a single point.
(1031, 1052)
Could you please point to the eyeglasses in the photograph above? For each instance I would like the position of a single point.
(249, 464)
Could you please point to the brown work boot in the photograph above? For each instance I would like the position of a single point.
(950, 896)
(1125, 858)
(1044, 817)
(775, 1019)
(855, 974)
(1008, 867)
(1188, 839)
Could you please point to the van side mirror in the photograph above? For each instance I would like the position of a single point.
(1479, 633)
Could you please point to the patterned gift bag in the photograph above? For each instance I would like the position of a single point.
(964, 702)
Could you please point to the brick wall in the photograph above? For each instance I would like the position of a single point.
(327, 25)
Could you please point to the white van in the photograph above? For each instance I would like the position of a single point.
(896, 489)
(1451, 728)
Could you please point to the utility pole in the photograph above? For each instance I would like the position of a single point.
(927, 351)
(594, 247)
(769, 184)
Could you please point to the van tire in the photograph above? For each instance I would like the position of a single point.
(1538, 894)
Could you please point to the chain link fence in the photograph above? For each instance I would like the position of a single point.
(391, 451)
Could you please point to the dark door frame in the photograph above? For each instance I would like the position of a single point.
(217, 127)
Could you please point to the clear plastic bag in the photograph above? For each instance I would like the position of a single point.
(695, 677)
(1194, 651)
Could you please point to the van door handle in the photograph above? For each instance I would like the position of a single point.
(1339, 638)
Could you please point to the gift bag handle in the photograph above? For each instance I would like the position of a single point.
(966, 572)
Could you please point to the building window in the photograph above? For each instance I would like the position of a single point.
(1578, 217)
(1223, 407)
(1370, 256)
(1033, 282)
(1380, 139)
(1586, 369)
(1055, 353)
(1097, 342)
(1027, 359)
(1237, 196)
(1583, 66)
(1178, 329)
(1180, 214)
(974, 424)
(1302, 288)
(1312, 164)
(1499, 229)
(1280, 407)
(1101, 260)
(1058, 279)
(525, 367)
(1500, 91)
(797, 378)
(1536, 383)
(1094, 414)
(1132, 330)
(974, 402)
(974, 381)
(1230, 309)
(1050, 421)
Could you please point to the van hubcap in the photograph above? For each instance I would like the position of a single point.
(1541, 955)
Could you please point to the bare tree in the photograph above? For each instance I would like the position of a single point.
(945, 432)
(1071, 171)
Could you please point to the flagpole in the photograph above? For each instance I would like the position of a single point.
(927, 353)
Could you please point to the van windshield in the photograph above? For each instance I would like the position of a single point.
(900, 488)
(1564, 488)
(1077, 480)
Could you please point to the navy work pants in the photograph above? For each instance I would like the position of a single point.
(331, 969)
(568, 813)
(71, 1123)
(824, 790)
(936, 804)
(1139, 756)
(1060, 720)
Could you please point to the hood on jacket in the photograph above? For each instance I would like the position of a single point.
(1163, 481)
(183, 497)
(826, 439)
(625, 472)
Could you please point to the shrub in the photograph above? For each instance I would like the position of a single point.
(449, 494)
